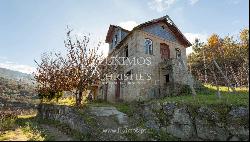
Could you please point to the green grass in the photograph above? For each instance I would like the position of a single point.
(207, 96)
(7, 123)
(15, 135)
(26, 129)
(68, 101)
(63, 128)
(29, 124)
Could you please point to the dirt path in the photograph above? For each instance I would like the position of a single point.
(19, 135)
(57, 134)
(14, 135)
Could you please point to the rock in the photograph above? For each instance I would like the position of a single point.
(152, 124)
(181, 125)
(103, 111)
(208, 131)
(151, 121)
(1, 105)
(239, 131)
(168, 108)
(109, 111)
(234, 138)
(63, 114)
(176, 120)
(147, 113)
(156, 106)
(239, 112)
(163, 129)
(208, 114)
(239, 122)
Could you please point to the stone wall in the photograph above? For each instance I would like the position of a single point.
(89, 122)
(188, 122)
(182, 122)
(63, 114)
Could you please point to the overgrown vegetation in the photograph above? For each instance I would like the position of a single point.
(16, 91)
(77, 71)
(24, 128)
(7, 120)
(230, 54)
(161, 136)
(207, 96)
(68, 101)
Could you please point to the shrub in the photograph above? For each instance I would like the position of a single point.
(7, 120)
(185, 90)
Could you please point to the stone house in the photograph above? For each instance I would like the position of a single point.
(152, 63)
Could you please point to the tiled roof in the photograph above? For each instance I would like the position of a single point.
(166, 19)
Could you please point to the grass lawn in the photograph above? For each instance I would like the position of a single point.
(208, 96)
(26, 129)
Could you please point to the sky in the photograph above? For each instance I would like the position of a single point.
(29, 28)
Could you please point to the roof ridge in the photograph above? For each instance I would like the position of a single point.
(120, 27)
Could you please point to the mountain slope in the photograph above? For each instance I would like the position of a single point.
(15, 75)
(16, 87)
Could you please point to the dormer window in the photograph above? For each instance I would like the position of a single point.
(148, 46)
(115, 39)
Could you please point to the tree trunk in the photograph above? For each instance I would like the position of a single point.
(79, 98)
(76, 94)
(205, 67)
(217, 86)
(226, 79)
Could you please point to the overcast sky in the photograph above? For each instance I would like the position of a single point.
(31, 27)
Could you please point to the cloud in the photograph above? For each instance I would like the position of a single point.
(192, 36)
(17, 67)
(161, 5)
(128, 25)
(193, 2)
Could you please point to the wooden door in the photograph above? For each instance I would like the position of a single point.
(117, 89)
(165, 52)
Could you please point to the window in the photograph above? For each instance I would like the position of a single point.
(111, 46)
(148, 46)
(126, 51)
(129, 73)
(165, 52)
(115, 39)
(178, 53)
(167, 78)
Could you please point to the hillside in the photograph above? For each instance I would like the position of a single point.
(16, 86)
(16, 75)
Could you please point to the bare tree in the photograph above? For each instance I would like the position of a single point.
(83, 64)
(50, 76)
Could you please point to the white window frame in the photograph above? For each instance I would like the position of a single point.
(148, 46)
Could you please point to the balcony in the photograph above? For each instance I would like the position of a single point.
(168, 63)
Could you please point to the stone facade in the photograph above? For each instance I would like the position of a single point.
(152, 75)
